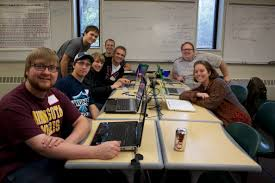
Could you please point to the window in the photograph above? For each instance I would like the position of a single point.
(88, 12)
(207, 24)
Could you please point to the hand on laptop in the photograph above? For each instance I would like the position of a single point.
(124, 81)
(108, 150)
(116, 85)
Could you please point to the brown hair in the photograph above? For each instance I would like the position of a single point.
(91, 28)
(111, 40)
(191, 44)
(120, 47)
(40, 53)
(209, 69)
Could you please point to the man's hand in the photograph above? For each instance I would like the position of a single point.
(116, 85)
(226, 79)
(180, 78)
(124, 81)
(50, 141)
(108, 150)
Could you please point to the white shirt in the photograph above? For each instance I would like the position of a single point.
(115, 68)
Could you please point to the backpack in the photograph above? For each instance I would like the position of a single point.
(256, 95)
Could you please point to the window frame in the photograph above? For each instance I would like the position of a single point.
(215, 27)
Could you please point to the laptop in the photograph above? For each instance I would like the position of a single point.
(128, 132)
(141, 70)
(128, 105)
(171, 81)
(179, 105)
(174, 91)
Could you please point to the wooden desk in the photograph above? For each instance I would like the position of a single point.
(150, 149)
(208, 147)
(201, 114)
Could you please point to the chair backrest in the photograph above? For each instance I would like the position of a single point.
(257, 95)
(246, 136)
(240, 91)
(265, 117)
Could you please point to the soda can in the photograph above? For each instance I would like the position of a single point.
(180, 139)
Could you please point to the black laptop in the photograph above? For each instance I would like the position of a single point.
(128, 132)
(141, 70)
(129, 105)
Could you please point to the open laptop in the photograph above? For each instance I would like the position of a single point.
(129, 105)
(128, 132)
(141, 70)
(179, 105)
(174, 91)
(171, 81)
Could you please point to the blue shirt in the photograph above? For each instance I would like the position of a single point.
(77, 92)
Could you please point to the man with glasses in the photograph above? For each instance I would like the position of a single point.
(74, 88)
(33, 116)
(183, 66)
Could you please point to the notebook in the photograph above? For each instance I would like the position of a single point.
(128, 132)
(129, 105)
(179, 105)
(174, 91)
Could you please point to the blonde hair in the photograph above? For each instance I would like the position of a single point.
(99, 56)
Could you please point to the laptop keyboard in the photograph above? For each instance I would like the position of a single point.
(121, 131)
(123, 104)
(172, 90)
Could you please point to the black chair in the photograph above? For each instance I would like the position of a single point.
(265, 121)
(240, 92)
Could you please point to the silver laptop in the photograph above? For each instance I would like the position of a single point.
(174, 91)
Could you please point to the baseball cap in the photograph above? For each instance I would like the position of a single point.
(82, 56)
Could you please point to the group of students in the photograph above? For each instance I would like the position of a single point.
(40, 123)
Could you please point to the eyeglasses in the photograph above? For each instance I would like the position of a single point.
(190, 49)
(42, 67)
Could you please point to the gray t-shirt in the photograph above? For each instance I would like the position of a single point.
(71, 48)
(185, 68)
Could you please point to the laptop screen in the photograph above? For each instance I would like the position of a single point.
(142, 117)
(140, 91)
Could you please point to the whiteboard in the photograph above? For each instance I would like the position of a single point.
(151, 31)
(249, 34)
(60, 26)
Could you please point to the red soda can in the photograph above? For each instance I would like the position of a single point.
(180, 139)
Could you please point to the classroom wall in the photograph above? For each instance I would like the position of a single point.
(237, 71)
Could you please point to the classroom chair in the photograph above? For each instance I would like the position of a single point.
(265, 121)
(248, 138)
(240, 92)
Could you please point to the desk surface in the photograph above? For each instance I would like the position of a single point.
(150, 149)
(208, 147)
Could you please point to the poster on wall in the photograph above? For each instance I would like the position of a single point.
(24, 23)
